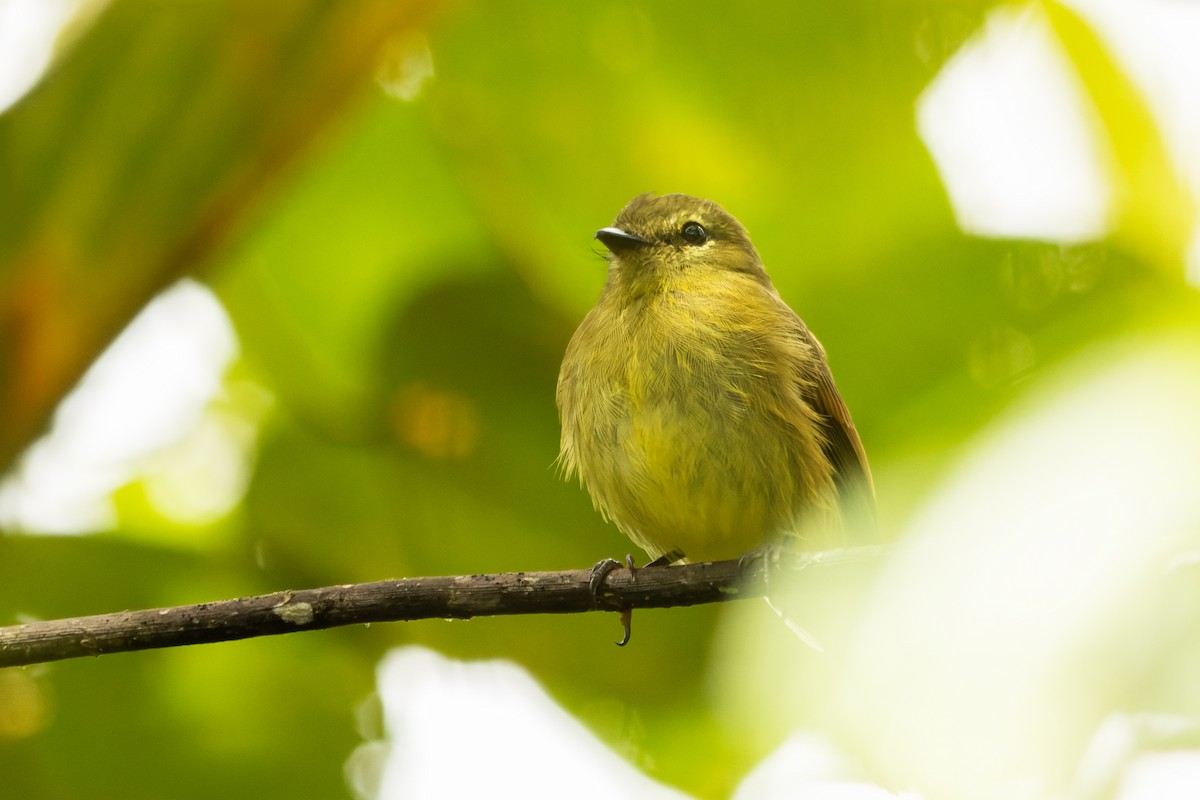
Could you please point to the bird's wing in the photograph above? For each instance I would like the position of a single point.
(843, 446)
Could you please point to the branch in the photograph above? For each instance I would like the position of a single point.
(455, 597)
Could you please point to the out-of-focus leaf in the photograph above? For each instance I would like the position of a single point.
(143, 154)
(1156, 214)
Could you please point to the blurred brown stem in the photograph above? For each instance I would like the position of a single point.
(453, 597)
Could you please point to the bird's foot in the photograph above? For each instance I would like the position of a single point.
(768, 557)
(600, 573)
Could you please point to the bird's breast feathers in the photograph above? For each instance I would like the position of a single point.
(687, 432)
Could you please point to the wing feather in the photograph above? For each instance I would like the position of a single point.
(843, 446)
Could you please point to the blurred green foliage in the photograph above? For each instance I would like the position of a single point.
(404, 276)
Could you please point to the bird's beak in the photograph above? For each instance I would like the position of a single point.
(618, 241)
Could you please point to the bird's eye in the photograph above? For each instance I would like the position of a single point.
(693, 233)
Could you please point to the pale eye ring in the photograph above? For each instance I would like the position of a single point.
(693, 233)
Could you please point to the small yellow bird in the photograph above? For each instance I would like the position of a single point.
(696, 407)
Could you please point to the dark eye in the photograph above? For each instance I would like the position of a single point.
(693, 233)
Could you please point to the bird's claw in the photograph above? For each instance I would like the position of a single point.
(627, 624)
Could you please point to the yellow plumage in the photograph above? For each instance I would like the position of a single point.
(696, 408)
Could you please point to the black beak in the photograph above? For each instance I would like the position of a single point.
(618, 241)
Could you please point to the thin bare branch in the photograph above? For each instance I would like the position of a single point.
(453, 597)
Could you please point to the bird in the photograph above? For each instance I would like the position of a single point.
(696, 407)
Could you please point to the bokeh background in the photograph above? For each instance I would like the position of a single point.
(284, 286)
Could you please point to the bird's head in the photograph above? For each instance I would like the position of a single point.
(657, 237)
